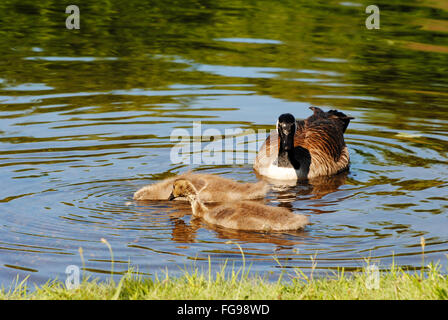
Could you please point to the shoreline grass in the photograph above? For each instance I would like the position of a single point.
(394, 284)
(371, 283)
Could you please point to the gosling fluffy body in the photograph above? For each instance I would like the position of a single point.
(240, 215)
(213, 189)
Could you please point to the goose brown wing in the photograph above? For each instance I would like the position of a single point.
(268, 151)
(341, 118)
(322, 134)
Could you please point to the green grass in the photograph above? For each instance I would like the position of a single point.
(395, 283)
(193, 284)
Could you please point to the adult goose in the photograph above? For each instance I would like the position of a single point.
(304, 149)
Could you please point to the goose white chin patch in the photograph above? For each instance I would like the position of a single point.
(279, 173)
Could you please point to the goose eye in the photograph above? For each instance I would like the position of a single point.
(286, 128)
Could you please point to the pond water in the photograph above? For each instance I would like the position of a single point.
(86, 118)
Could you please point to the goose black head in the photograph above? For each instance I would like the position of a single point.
(286, 128)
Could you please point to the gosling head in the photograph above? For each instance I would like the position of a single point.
(183, 188)
(286, 128)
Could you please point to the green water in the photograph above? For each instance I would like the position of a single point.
(86, 118)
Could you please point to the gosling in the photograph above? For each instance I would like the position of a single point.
(241, 215)
(214, 189)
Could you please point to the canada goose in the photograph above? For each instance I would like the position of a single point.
(304, 149)
(214, 188)
(240, 215)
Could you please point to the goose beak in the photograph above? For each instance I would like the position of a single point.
(171, 197)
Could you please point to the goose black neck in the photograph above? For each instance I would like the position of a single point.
(286, 159)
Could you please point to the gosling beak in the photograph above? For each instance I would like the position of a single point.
(171, 197)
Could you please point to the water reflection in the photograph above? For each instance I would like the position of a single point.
(186, 232)
(318, 187)
(86, 118)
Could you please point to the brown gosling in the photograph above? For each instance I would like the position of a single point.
(214, 189)
(240, 215)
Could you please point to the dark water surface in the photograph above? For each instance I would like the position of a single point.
(86, 118)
